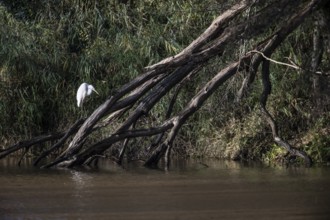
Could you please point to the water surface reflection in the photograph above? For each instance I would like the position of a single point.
(190, 190)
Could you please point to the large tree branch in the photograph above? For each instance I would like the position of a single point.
(209, 34)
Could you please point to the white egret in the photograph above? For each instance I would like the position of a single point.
(83, 91)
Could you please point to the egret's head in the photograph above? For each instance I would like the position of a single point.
(90, 89)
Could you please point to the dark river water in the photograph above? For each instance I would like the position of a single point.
(189, 190)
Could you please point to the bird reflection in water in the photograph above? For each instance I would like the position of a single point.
(80, 179)
(80, 195)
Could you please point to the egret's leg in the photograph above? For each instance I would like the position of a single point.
(82, 112)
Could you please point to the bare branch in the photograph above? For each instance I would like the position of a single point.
(275, 61)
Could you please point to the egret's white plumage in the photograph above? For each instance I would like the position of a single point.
(83, 91)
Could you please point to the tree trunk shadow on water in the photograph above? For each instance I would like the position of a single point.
(138, 97)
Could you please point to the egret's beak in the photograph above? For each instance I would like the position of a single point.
(96, 91)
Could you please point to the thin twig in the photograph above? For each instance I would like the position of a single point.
(293, 65)
(275, 61)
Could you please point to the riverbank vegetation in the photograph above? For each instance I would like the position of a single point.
(48, 48)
